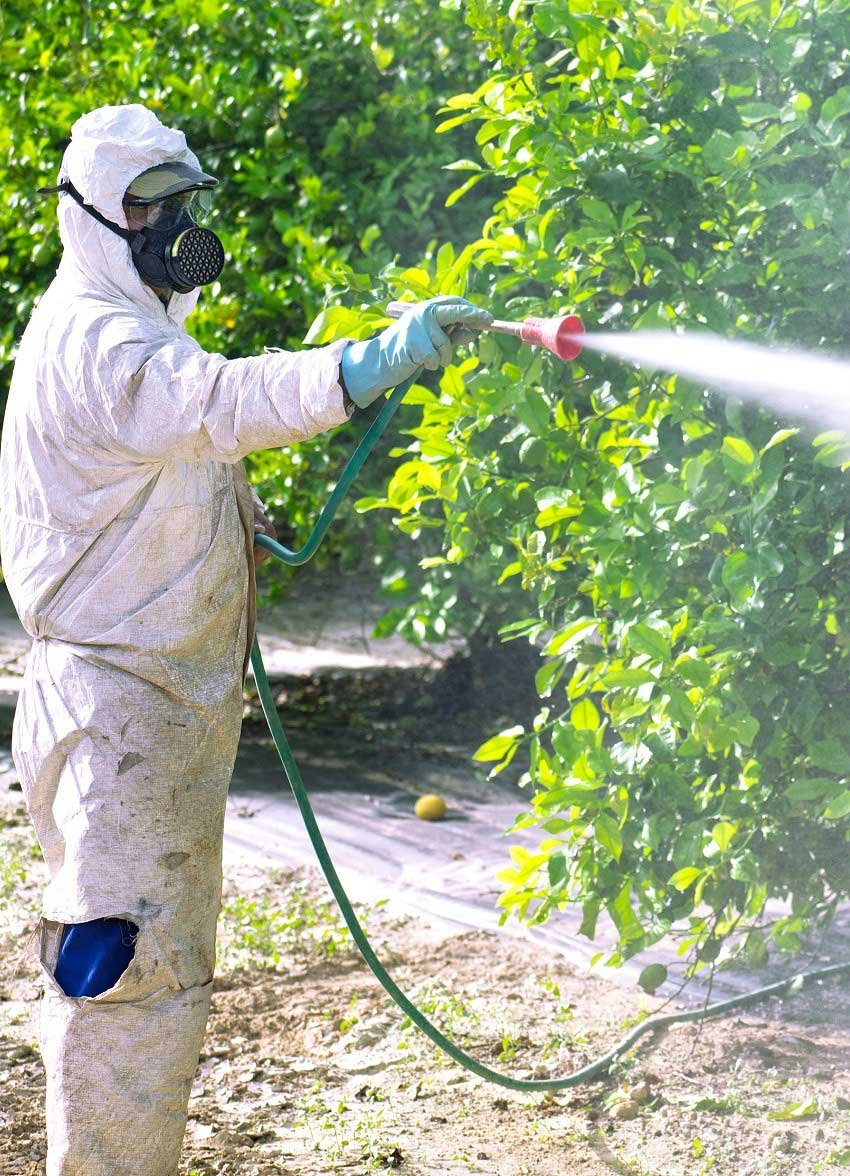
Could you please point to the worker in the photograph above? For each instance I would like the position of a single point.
(127, 537)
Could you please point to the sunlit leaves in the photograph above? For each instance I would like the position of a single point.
(585, 716)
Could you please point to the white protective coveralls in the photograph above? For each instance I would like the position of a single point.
(127, 547)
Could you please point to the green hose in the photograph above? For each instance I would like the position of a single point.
(595, 1070)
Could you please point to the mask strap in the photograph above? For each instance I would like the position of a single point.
(133, 237)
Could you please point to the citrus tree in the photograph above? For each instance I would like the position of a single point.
(679, 562)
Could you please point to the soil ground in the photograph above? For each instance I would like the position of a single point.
(308, 1068)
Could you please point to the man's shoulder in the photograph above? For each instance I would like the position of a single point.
(118, 315)
(115, 331)
(85, 340)
(67, 311)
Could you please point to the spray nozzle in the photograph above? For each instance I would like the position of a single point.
(561, 336)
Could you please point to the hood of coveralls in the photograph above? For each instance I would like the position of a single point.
(109, 147)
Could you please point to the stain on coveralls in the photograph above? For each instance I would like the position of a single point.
(127, 541)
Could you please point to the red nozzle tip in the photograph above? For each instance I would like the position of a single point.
(568, 337)
(562, 336)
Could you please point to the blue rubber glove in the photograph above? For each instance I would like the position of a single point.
(415, 340)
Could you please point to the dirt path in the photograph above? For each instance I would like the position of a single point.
(308, 1069)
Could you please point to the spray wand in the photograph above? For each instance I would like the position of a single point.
(562, 336)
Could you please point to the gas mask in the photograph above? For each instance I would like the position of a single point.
(174, 250)
(171, 251)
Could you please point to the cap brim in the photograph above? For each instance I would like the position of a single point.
(164, 180)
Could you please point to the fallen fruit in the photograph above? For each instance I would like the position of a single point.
(430, 808)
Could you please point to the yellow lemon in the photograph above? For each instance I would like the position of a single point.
(430, 808)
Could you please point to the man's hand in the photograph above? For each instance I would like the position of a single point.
(421, 337)
(262, 526)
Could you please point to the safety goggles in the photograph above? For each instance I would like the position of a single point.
(197, 202)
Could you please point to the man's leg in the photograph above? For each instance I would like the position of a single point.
(127, 788)
(119, 1067)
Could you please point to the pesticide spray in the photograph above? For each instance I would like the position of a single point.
(789, 381)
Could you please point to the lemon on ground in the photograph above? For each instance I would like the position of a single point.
(430, 808)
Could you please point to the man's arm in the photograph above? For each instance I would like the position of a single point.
(168, 398)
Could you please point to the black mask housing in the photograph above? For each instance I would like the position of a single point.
(173, 253)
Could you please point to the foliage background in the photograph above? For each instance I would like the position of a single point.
(677, 563)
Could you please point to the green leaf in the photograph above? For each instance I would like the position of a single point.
(769, 560)
(528, 627)
(807, 1108)
(717, 1106)
(838, 808)
(835, 108)
(627, 676)
(499, 745)
(739, 450)
(465, 187)
(585, 796)
(694, 671)
(654, 318)
(744, 729)
(546, 496)
(756, 112)
(643, 639)
(608, 834)
(589, 916)
(557, 869)
(332, 323)
(565, 741)
(810, 788)
(831, 756)
(569, 636)
(777, 439)
(738, 575)
(456, 121)
(611, 63)
(463, 165)
(685, 877)
(597, 210)
(547, 677)
(588, 48)
(723, 832)
(362, 505)
(585, 716)
(623, 915)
